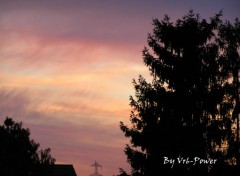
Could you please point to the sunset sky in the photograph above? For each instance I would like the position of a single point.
(66, 70)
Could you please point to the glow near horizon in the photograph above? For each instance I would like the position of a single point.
(66, 71)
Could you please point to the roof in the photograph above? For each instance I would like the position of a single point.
(63, 170)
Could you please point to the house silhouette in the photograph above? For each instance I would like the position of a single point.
(63, 170)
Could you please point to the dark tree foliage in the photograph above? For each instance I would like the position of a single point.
(19, 155)
(122, 172)
(192, 104)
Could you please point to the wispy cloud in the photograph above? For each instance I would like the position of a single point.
(74, 138)
(67, 66)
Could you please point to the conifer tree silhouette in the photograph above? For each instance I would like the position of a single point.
(191, 106)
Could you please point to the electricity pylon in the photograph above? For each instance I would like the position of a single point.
(96, 166)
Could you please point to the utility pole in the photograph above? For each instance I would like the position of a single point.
(96, 166)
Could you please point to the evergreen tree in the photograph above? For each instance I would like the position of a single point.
(229, 42)
(186, 110)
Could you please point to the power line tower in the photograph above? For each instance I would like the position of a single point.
(96, 165)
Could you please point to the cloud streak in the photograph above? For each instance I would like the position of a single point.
(74, 138)
(67, 66)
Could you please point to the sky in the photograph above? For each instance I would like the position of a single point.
(66, 70)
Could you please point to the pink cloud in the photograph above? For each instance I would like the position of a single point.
(83, 87)
(78, 139)
(64, 55)
(66, 71)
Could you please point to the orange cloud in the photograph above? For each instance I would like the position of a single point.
(70, 92)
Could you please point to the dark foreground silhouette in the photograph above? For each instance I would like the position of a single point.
(190, 110)
(20, 155)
